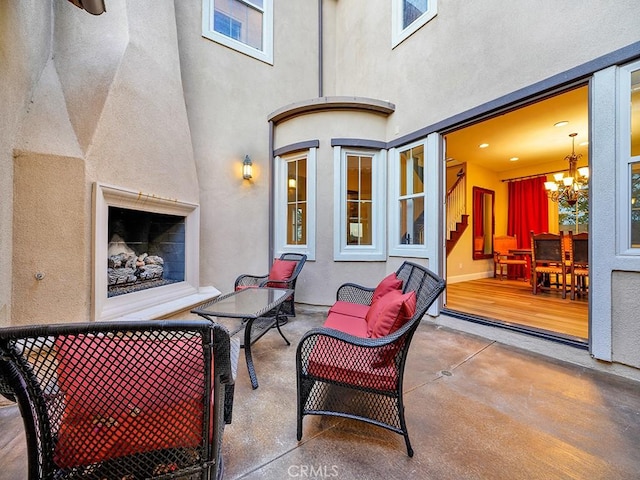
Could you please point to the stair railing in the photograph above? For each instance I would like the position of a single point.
(456, 203)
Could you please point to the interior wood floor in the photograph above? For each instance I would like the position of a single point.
(512, 302)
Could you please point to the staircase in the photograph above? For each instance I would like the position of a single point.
(455, 234)
(457, 217)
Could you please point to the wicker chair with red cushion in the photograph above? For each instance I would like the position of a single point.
(141, 399)
(353, 365)
(283, 274)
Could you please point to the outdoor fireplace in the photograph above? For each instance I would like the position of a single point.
(145, 255)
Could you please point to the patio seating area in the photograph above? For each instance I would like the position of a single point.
(475, 409)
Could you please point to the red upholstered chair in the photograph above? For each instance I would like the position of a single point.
(344, 374)
(141, 399)
(283, 274)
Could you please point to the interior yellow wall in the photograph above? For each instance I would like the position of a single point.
(460, 263)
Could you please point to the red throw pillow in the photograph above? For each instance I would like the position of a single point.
(388, 283)
(125, 396)
(282, 269)
(394, 311)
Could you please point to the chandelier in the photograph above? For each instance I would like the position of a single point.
(571, 187)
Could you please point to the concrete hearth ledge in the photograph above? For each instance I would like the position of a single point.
(173, 307)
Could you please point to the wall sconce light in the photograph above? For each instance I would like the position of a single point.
(247, 168)
(292, 183)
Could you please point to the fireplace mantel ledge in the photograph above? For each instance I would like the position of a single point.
(172, 307)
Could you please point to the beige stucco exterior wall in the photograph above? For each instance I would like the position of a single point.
(82, 110)
(24, 28)
(471, 52)
(626, 327)
(50, 272)
(229, 96)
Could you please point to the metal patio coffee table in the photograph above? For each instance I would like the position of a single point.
(256, 311)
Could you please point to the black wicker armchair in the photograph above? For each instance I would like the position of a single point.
(284, 274)
(121, 400)
(361, 378)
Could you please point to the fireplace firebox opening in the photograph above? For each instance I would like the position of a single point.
(145, 250)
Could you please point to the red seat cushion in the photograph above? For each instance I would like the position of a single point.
(347, 323)
(347, 308)
(387, 284)
(152, 400)
(341, 362)
(390, 312)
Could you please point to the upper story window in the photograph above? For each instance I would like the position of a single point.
(409, 15)
(295, 206)
(244, 25)
(359, 205)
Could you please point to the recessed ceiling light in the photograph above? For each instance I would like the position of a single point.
(514, 159)
(483, 145)
(561, 124)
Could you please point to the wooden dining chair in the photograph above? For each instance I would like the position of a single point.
(579, 263)
(547, 259)
(502, 244)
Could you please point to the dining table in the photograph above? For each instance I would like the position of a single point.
(526, 253)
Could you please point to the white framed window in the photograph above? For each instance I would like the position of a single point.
(359, 204)
(295, 203)
(629, 166)
(244, 25)
(407, 201)
(409, 15)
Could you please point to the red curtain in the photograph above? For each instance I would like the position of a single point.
(528, 209)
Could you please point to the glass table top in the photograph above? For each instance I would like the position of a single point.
(245, 303)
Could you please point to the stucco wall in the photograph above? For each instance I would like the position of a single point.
(50, 270)
(471, 52)
(96, 99)
(25, 29)
(229, 96)
(626, 327)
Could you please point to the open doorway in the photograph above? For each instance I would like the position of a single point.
(489, 164)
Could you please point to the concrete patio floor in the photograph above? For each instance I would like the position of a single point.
(475, 408)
